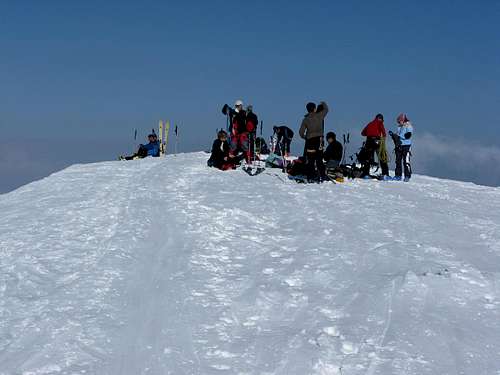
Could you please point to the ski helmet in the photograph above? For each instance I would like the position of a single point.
(380, 116)
(238, 103)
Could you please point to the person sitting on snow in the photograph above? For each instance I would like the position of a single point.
(220, 153)
(284, 136)
(333, 152)
(403, 140)
(150, 149)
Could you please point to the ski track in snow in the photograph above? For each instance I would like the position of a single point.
(164, 266)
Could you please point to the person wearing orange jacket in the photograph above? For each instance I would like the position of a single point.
(374, 132)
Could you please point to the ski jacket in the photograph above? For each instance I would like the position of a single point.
(333, 151)
(220, 150)
(284, 133)
(152, 148)
(252, 122)
(374, 129)
(238, 120)
(405, 133)
(312, 124)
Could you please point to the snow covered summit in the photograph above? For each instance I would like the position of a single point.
(164, 266)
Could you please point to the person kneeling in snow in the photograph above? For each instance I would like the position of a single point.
(220, 153)
(402, 141)
(150, 149)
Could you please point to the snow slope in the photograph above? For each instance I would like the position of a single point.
(163, 266)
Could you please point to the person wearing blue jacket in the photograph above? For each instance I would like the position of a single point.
(150, 149)
(403, 138)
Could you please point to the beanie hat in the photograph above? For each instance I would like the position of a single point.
(402, 118)
(331, 135)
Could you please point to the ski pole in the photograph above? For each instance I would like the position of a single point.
(343, 154)
(176, 139)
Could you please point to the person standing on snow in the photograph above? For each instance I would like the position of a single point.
(311, 130)
(238, 129)
(284, 136)
(375, 136)
(252, 124)
(403, 140)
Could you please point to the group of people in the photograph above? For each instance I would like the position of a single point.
(229, 150)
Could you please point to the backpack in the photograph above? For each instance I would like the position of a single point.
(274, 161)
(298, 167)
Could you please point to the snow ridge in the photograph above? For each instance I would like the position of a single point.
(164, 266)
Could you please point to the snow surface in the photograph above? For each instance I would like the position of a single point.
(164, 266)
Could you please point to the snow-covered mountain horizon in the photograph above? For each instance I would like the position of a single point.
(165, 266)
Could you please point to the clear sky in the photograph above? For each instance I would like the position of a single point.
(77, 77)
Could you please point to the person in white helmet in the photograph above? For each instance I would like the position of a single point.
(239, 129)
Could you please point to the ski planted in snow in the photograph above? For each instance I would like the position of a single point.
(167, 130)
(160, 138)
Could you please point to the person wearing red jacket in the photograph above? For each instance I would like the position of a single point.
(373, 132)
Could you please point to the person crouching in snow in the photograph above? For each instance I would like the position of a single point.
(402, 141)
(284, 136)
(220, 153)
(375, 143)
(150, 149)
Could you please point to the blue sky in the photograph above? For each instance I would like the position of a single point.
(77, 77)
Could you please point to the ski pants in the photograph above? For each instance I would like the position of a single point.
(314, 156)
(141, 153)
(372, 145)
(403, 160)
(239, 142)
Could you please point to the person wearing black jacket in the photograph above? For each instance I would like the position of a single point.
(252, 123)
(333, 153)
(284, 138)
(239, 129)
(220, 152)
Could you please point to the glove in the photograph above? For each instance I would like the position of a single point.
(391, 133)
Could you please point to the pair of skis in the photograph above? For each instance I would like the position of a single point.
(163, 130)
